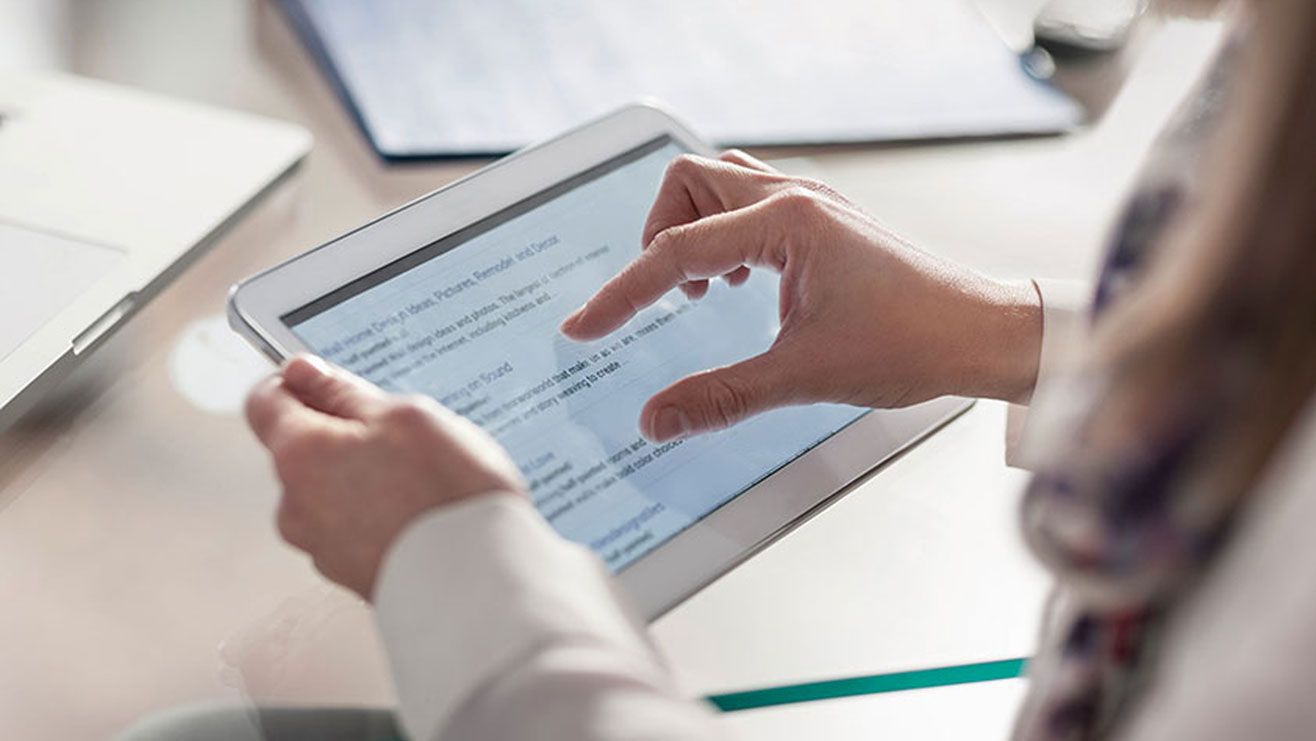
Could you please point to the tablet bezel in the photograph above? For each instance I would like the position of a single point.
(712, 546)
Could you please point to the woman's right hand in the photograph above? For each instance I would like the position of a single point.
(866, 318)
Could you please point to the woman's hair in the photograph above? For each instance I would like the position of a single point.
(1196, 377)
(1231, 298)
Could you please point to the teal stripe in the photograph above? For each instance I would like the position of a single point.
(872, 684)
(869, 685)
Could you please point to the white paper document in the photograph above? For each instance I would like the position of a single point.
(434, 78)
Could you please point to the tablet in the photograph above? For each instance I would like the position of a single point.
(458, 295)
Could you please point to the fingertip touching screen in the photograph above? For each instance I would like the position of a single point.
(471, 320)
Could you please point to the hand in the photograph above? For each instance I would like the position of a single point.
(357, 464)
(866, 318)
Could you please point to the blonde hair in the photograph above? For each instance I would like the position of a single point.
(1234, 288)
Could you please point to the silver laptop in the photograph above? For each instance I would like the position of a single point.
(104, 195)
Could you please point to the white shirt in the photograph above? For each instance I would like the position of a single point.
(497, 628)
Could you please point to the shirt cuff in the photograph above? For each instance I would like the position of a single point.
(1064, 326)
(470, 590)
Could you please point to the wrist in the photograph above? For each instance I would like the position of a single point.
(446, 508)
(1004, 339)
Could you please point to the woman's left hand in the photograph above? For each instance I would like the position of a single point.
(358, 464)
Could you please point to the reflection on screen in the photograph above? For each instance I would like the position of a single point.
(476, 328)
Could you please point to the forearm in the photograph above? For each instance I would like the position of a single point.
(497, 628)
(583, 692)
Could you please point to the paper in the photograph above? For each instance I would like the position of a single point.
(434, 78)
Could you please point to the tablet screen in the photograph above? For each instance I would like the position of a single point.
(471, 320)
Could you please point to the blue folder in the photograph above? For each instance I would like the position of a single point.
(436, 78)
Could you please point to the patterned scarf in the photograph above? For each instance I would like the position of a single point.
(1114, 515)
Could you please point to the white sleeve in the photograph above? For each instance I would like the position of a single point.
(496, 627)
(1064, 329)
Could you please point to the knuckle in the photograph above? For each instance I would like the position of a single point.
(726, 400)
(333, 389)
(798, 202)
(660, 244)
(823, 194)
(812, 185)
(668, 242)
(288, 523)
(740, 159)
(409, 413)
(293, 452)
(662, 257)
(684, 166)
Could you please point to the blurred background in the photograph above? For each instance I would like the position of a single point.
(138, 567)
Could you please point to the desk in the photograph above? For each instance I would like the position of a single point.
(138, 564)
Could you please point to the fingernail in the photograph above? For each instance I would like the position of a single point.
(318, 364)
(572, 318)
(670, 423)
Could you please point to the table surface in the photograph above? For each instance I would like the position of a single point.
(138, 563)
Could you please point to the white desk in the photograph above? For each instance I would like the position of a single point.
(138, 565)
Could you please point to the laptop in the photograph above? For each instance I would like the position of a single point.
(105, 195)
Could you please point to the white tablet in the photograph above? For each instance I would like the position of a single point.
(459, 294)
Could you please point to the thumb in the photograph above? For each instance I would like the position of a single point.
(331, 390)
(718, 398)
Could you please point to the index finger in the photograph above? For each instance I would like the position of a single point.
(695, 187)
(331, 390)
(274, 414)
(714, 246)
